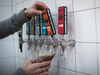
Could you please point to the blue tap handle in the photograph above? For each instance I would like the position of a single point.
(44, 30)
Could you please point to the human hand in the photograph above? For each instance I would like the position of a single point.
(37, 68)
(35, 9)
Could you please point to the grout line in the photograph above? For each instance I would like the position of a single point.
(97, 60)
(63, 68)
(12, 7)
(56, 7)
(74, 35)
(13, 57)
(89, 42)
(70, 70)
(18, 3)
(7, 57)
(86, 9)
(97, 7)
(5, 5)
(7, 40)
(14, 40)
(96, 36)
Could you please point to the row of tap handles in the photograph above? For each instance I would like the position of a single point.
(43, 25)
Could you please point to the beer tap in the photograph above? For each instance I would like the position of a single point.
(49, 24)
(62, 25)
(33, 33)
(29, 42)
(38, 24)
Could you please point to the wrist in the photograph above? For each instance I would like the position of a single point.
(26, 13)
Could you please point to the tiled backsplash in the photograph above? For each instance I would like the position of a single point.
(83, 26)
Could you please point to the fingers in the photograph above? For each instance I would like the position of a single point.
(44, 73)
(39, 65)
(40, 5)
(37, 12)
(35, 9)
(46, 63)
(40, 70)
(33, 61)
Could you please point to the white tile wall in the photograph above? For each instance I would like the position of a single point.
(14, 9)
(98, 59)
(7, 66)
(54, 71)
(4, 14)
(97, 3)
(85, 26)
(67, 3)
(10, 37)
(52, 7)
(27, 4)
(86, 58)
(20, 62)
(98, 24)
(66, 72)
(81, 74)
(17, 1)
(33, 1)
(5, 2)
(7, 48)
(83, 4)
(71, 30)
(59, 71)
(19, 7)
(40, 0)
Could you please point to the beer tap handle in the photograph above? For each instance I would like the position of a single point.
(49, 22)
(37, 25)
(28, 33)
(43, 27)
(62, 20)
(62, 25)
(28, 28)
(38, 30)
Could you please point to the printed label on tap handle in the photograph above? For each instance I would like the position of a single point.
(28, 28)
(44, 30)
(37, 25)
(62, 20)
(48, 22)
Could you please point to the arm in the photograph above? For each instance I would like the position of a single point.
(34, 69)
(19, 71)
(12, 24)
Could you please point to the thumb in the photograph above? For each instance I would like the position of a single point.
(37, 12)
(33, 60)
